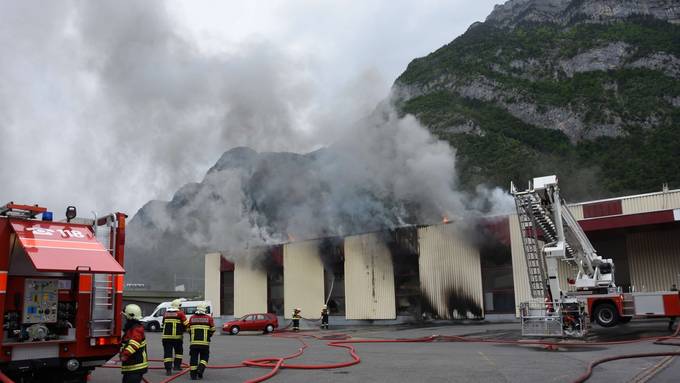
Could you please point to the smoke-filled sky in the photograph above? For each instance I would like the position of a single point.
(108, 104)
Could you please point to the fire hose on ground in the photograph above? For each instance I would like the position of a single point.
(276, 364)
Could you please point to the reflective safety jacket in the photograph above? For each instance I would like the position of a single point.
(201, 329)
(174, 324)
(133, 349)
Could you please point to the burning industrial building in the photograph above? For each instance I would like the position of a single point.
(444, 271)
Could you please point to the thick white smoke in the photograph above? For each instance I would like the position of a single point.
(121, 104)
(104, 104)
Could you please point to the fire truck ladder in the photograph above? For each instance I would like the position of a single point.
(102, 306)
(103, 298)
(535, 261)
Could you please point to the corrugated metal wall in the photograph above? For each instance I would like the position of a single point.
(369, 278)
(576, 211)
(450, 272)
(654, 259)
(250, 289)
(212, 281)
(303, 283)
(519, 264)
(651, 202)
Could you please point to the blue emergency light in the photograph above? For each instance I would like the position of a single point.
(47, 216)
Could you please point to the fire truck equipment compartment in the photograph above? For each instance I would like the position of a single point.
(63, 247)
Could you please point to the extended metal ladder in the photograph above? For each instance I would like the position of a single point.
(535, 261)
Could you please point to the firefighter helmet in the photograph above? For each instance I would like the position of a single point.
(201, 308)
(174, 305)
(133, 311)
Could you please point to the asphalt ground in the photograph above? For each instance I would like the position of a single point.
(434, 361)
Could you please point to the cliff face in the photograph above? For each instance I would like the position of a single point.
(587, 89)
(564, 12)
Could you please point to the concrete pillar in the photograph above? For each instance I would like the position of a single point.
(212, 281)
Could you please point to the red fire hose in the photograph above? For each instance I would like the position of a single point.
(275, 364)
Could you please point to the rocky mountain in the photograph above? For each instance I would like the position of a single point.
(587, 89)
(386, 172)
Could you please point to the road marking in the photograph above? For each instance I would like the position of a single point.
(487, 359)
(647, 374)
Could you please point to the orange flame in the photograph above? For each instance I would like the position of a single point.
(445, 219)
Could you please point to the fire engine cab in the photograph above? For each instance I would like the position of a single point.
(550, 235)
(61, 286)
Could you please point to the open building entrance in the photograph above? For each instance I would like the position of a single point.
(273, 263)
(332, 255)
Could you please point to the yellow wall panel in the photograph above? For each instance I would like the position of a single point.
(369, 278)
(303, 279)
(250, 288)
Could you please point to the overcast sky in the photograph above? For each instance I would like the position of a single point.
(107, 105)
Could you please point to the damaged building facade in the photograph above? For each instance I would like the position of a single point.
(451, 270)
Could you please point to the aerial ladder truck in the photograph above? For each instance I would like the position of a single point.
(550, 235)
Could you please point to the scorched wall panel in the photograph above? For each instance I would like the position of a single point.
(450, 272)
(250, 289)
(369, 278)
(303, 283)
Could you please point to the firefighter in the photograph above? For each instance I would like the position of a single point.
(133, 348)
(174, 323)
(296, 319)
(324, 317)
(201, 329)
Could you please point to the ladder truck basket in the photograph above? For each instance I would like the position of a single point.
(549, 319)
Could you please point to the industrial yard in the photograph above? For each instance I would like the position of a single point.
(437, 361)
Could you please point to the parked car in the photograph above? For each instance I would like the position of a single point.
(252, 322)
(154, 322)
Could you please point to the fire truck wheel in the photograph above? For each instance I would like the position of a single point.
(234, 330)
(154, 326)
(606, 315)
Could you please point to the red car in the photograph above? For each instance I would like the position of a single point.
(252, 322)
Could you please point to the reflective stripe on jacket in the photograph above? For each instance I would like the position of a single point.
(174, 324)
(201, 329)
(133, 349)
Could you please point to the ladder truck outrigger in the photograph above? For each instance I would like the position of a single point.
(550, 235)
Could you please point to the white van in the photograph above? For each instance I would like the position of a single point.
(154, 321)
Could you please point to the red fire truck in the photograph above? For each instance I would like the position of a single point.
(61, 286)
(551, 234)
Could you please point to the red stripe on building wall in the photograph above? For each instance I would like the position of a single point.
(226, 265)
(629, 220)
(602, 209)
